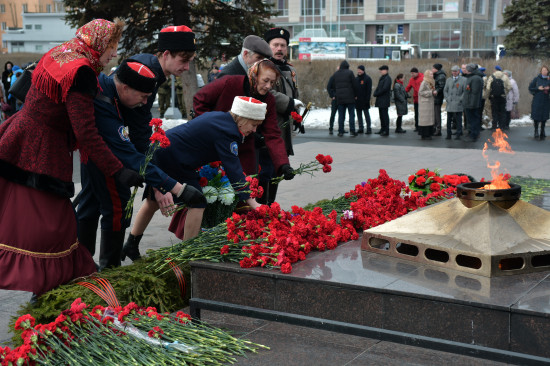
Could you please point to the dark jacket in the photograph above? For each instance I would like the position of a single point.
(345, 84)
(137, 119)
(400, 99)
(540, 107)
(364, 85)
(440, 79)
(383, 92)
(330, 87)
(471, 99)
(232, 68)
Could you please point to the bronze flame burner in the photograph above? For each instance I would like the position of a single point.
(472, 194)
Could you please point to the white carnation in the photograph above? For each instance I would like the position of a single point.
(227, 195)
(210, 193)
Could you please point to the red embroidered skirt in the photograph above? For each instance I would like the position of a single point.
(39, 249)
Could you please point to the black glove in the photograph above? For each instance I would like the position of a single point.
(191, 196)
(129, 177)
(287, 172)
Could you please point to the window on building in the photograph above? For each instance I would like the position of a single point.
(436, 35)
(28, 26)
(492, 10)
(59, 7)
(430, 5)
(25, 8)
(467, 6)
(351, 7)
(17, 47)
(2, 8)
(280, 7)
(38, 48)
(38, 26)
(480, 6)
(4, 44)
(48, 8)
(313, 7)
(4, 26)
(390, 6)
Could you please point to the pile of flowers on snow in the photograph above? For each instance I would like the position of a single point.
(129, 335)
(275, 238)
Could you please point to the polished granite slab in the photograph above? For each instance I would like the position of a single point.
(368, 289)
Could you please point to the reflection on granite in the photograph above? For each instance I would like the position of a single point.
(349, 265)
(529, 334)
(537, 300)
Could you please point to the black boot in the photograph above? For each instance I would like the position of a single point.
(398, 125)
(536, 129)
(131, 248)
(87, 232)
(110, 248)
(263, 199)
(272, 193)
(542, 134)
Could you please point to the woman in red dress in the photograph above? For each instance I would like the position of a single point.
(39, 249)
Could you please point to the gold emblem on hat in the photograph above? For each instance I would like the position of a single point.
(282, 32)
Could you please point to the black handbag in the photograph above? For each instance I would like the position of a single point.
(21, 87)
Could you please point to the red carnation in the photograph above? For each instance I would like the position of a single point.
(155, 122)
(327, 168)
(296, 117)
(411, 178)
(224, 250)
(435, 187)
(421, 172)
(286, 268)
(203, 182)
(421, 181)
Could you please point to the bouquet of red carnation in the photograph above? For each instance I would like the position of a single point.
(427, 181)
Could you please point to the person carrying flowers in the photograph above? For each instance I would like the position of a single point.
(130, 86)
(213, 136)
(39, 249)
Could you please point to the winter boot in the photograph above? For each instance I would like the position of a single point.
(399, 123)
(131, 248)
(536, 129)
(542, 134)
(110, 248)
(87, 232)
(272, 193)
(264, 198)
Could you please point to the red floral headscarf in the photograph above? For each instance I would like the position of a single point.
(253, 76)
(54, 74)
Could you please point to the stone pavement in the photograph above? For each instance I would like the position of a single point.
(355, 160)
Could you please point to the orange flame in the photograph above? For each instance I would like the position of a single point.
(498, 180)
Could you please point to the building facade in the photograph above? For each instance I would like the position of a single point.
(12, 11)
(444, 28)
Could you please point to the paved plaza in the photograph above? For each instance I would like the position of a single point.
(355, 160)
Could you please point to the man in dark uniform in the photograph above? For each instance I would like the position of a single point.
(254, 49)
(440, 79)
(362, 104)
(176, 48)
(383, 97)
(286, 93)
(132, 84)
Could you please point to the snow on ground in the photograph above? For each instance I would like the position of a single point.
(318, 118)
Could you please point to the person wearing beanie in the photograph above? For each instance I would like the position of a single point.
(453, 92)
(131, 86)
(497, 87)
(254, 49)
(362, 104)
(471, 101)
(286, 96)
(440, 79)
(212, 136)
(382, 93)
(414, 84)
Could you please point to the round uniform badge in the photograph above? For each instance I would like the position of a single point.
(234, 148)
(123, 133)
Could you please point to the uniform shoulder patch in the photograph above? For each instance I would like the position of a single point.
(123, 133)
(234, 148)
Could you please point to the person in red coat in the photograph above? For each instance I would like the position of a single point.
(414, 84)
(39, 249)
(219, 95)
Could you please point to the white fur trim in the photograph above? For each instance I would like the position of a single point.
(249, 107)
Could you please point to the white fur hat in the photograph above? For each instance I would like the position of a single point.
(249, 107)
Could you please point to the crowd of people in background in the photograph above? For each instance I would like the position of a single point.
(464, 94)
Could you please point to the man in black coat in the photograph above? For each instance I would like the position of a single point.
(362, 104)
(346, 95)
(254, 49)
(440, 79)
(333, 105)
(383, 97)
